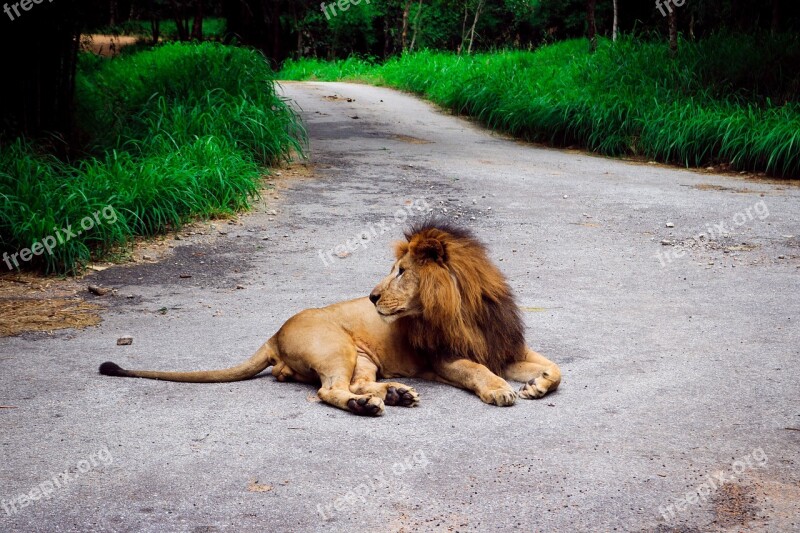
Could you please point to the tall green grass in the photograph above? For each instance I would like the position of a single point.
(727, 99)
(352, 68)
(180, 131)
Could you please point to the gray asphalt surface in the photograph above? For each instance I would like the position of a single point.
(681, 373)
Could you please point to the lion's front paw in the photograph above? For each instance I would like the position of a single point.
(402, 396)
(502, 397)
(371, 406)
(535, 388)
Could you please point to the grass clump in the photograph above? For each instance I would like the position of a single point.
(180, 131)
(352, 68)
(729, 100)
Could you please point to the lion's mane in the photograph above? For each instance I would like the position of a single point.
(468, 309)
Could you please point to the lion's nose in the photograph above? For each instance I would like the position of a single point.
(374, 297)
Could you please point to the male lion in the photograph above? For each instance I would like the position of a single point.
(444, 313)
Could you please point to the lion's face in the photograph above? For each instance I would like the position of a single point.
(397, 295)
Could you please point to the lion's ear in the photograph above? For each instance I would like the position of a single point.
(429, 250)
(400, 249)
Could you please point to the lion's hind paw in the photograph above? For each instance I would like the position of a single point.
(366, 406)
(402, 396)
(535, 388)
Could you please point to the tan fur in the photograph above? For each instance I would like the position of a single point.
(444, 313)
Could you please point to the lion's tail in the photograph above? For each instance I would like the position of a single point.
(265, 356)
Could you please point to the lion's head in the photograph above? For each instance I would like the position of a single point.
(455, 301)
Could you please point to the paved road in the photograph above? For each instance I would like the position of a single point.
(680, 354)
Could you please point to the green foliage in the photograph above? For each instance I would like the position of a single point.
(214, 28)
(375, 29)
(179, 131)
(352, 68)
(183, 91)
(629, 97)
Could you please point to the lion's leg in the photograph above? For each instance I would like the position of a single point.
(283, 372)
(335, 376)
(539, 374)
(335, 390)
(312, 348)
(392, 393)
(473, 376)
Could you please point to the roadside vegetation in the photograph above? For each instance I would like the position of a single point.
(213, 28)
(718, 101)
(179, 131)
(168, 131)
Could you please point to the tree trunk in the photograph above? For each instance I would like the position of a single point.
(298, 28)
(463, 27)
(615, 30)
(404, 33)
(673, 32)
(197, 28)
(177, 15)
(386, 36)
(183, 32)
(590, 19)
(416, 26)
(474, 23)
(155, 26)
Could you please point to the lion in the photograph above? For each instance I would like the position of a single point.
(444, 313)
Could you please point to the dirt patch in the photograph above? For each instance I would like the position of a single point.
(712, 187)
(335, 97)
(25, 315)
(410, 140)
(293, 171)
(27, 285)
(106, 45)
(734, 505)
(36, 303)
(255, 486)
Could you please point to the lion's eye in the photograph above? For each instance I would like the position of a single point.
(400, 271)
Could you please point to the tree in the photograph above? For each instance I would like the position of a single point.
(197, 28)
(590, 19)
(615, 30)
(181, 19)
(404, 32)
(478, 10)
(673, 31)
(416, 25)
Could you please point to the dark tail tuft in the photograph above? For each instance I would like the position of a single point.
(112, 369)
